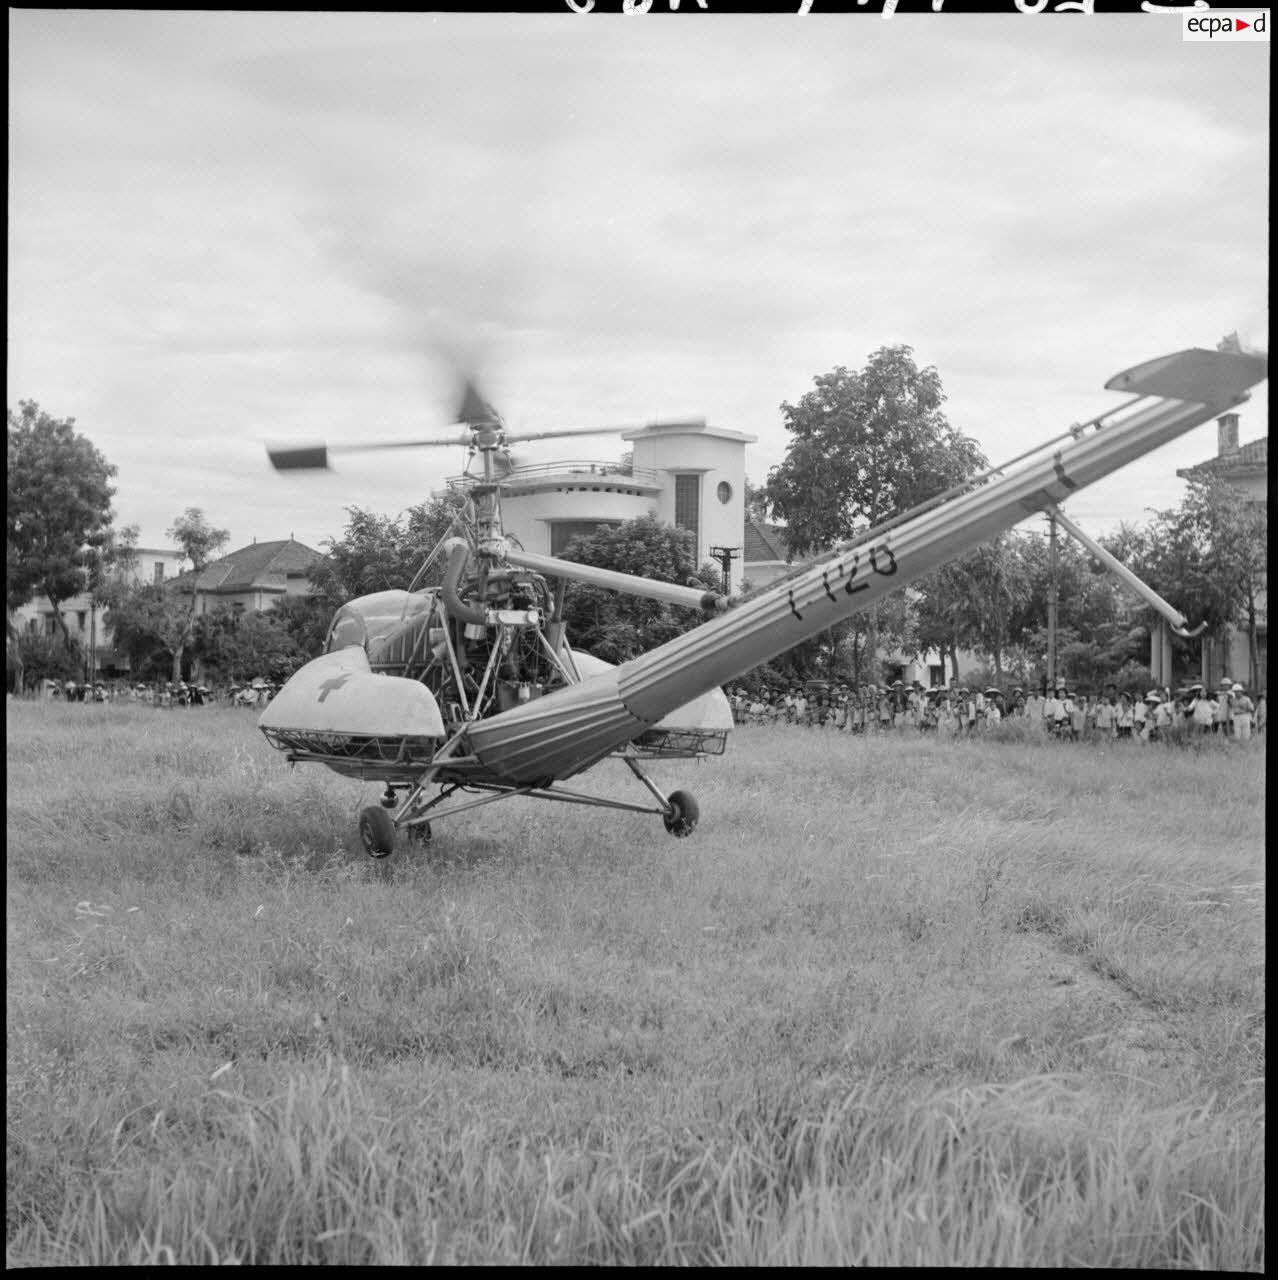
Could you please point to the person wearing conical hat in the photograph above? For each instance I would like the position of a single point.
(1105, 712)
(1051, 710)
(1244, 710)
(993, 708)
(1034, 708)
(1203, 710)
(1069, 709)
(1125, 717)
(883, 701)
(1148, 723)
(1223, 697)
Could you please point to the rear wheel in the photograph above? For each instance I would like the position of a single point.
(376, 832)
(681, 820)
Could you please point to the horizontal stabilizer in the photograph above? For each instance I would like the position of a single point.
(1208, 377)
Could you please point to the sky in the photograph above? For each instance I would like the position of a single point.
(229, 230)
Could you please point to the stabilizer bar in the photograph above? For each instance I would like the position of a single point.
(1179, 623)
(669, 592)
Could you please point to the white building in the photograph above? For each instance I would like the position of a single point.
(83, 615)
(684, 473)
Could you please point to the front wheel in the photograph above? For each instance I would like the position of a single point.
(376, 832)
(681, 818)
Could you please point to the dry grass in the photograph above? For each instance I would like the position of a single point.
(989, 1003)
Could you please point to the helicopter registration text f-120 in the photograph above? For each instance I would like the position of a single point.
(473, 686)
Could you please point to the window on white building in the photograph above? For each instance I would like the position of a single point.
(158, 572)
(562, 532)
(688, 505)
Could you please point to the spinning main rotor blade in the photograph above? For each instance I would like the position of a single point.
(515, 437)
(315, 457)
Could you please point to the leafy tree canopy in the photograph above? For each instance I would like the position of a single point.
(240, 646)
(615, 626)
(378, 553)
(866, 444)
(199, 541)
(59, 508)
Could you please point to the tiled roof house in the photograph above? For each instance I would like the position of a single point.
(765, 557)
(254, 577)
(1244, 466)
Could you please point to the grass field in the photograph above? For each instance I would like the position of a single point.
(898, 1002)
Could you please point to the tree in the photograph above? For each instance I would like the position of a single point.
(866, 445)
(44, 657)
(377, 553)
(306, 620)
(756, 502)
(198, 540)
(1210, 558)
(989, 584)
(240, 646)
(144, 619)
(1091, 606)
(59, 509)
(14, 663)
(615, 626)
(940, 613)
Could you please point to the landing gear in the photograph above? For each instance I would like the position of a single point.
(380, 823)
(376, 832)
(681, 816)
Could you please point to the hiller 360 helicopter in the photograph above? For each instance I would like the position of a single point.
(472, 687)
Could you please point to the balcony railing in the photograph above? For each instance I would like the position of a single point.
(576, 470)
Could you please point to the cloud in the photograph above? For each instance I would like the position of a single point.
(230, 227)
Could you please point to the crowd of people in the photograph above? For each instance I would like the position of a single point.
(1062, 712)
(956, 711)
(159, 694)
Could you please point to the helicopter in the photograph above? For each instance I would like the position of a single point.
(472, 687)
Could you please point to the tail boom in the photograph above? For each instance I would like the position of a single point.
(611, 708)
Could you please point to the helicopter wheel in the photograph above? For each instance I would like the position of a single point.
(376, 832)
(682, 819)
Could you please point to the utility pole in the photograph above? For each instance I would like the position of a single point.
(1052, 601)
(725, 557)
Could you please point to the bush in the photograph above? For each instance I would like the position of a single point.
(47, 658)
